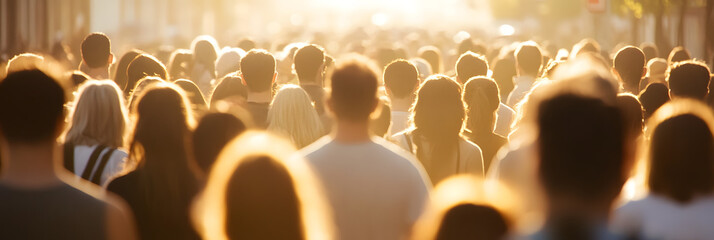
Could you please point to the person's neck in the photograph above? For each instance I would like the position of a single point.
(309, 83)
(352, 131)
(259, 97)
(29, 165)
(99, 73)
(402, 104)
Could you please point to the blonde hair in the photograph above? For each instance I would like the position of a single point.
(210, 209)
(98, 115)
(292, 115)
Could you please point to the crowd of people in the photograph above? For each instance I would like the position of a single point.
(463, 141)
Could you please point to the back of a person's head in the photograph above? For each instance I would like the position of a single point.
(292, 115)
(213, 132)
(193, 94)
(144, 65)
(587, 45)
(258, 70)
(32, 105)
(678, 54)
(230, 86)
(25, 61)
(631, 109)
(432, 55)
(423, 67)
(98, 116)
(482, 100)
(689, 79)
(471, 65)
(120, 75)
(180, 64)
(353, 94)
(438, 112)
(650, 50)
(246, 44)
(139, 90)
(308, 61)
(681, 151)
(656, 68)
(228, 62)
(401, 78)
(205, 50)
(529, 58)
(96, 50)
(504, 69)
(653, 97)
(629, 63)
(383, 121)
(471, 221)
(581, 148)
(162, 122)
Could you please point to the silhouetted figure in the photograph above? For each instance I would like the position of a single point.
(162, 186)
(688, 79)
(653, 97)
(97, 55)
(432, 55)
(292, 116)
(258, 73)
(309, 65)
(678, 54)
(375, 189)
(435, 135)
(180, 64)
(469, 221)
(629, 67)
(194, 95)
(231, 89)
(228, 62)
(205, 53)
(38, 200)
(470, 65)
(656, 69)
(650, 50)
(143, 65)
(528, 63)
(213, 132)
(680, 153)
(401, 81)
(482, 100)
(120, 75)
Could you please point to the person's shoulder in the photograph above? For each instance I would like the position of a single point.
(122, 183)
(505, 109)
(469, 145)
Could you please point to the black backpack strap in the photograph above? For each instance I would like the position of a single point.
(69, 157)
(92, 161)
(97, 177)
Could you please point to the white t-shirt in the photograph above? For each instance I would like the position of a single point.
(470, 159)
(376, 190)
(504, 120)
(657, 217)
(523, 86)
(115, 164)
(400, 122)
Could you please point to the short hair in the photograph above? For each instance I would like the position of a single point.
(258, 69)
(96, 49)
(689, 79)
(228, 62)
(468, 220)
(354, 88)
(681, 151)
(433, 56)
(470, 65)
(98, 115)
(401, 78)
(654, 96)
(630, 64)
(678, 54)
(228, 87)
(573, 127)
(529, 58)
(504, 69)
(213, 132)
(246, 44)
(650, 50)
(24, 61)
(144, 65)
(32, 106)
(307, 62)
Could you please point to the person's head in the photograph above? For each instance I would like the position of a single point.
(213, 132)
(482, 100)
(194, 95)
(587, 45)
(292, 115)
(432, 55)
(681, 150)
(423, 68)
(688, 79)
(401, 79)
(650, 50)
(246, 44)
(144, 65)
(205, 51)
(258, 70)
(470, 65)
(139, 89)
(228, 62)
(180, 64)
(528, 59)
(32, 105)
(229, 88)
(25, 61)
(678, 54)
(383, 121)
(574, 127)
(653, 97)
(309, 63)
(471, 221)
(632, 115)
(236, 205)
(98, 116)
(504, 69)
(120, 76)
(97, 51)
(353, 93)
(656, 69)
(629, 64)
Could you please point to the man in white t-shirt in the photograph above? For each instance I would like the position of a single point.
(401, 79)
(376, 190)
(528, 63)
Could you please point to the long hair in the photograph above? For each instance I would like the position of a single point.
(98, 115)
(161, 145)
(482, 101)
(438, 115)
(292, 115)
(236, 205)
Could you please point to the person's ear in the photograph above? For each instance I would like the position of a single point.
(110, 61)
(275, 76)
(644, 72)
(242, 80)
